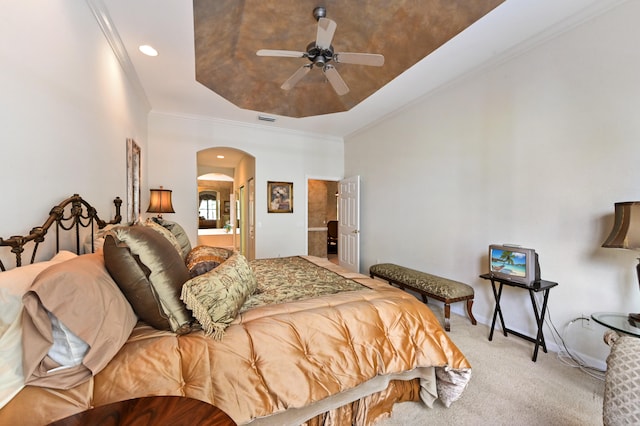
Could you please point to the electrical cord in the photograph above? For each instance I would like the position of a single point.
(565, 355)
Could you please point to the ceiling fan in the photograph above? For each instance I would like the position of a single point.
(320, 53)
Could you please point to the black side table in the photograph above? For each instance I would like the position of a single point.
(544, 286)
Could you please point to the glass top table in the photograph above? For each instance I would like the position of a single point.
(618, 321)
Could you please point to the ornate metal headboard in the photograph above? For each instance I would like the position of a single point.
(81, 214)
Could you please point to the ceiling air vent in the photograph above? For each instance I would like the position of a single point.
(266, 118)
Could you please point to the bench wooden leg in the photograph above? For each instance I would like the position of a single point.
(469, 306)
(424, 299)
(447, 315)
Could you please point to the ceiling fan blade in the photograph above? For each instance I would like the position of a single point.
(336, 81)
(281, 53)
(326, 29)
(296, 77)
(359, 58)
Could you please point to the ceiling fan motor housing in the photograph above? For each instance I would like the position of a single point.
(319, 57)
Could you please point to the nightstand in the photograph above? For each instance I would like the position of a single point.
(151, 410)
(618, 321)
(538, 286)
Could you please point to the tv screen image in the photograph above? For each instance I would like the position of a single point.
(514, 263)
(509, 262)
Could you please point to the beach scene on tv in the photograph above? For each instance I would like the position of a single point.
(509, 262)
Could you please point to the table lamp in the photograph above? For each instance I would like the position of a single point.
(160, 202)
(626, 233)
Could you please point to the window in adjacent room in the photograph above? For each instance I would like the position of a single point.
(208, 206)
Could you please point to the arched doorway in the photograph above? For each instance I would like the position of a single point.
(226, 208)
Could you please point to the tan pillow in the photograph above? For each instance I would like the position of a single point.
(165, 233)
(81, 294)
(216, 296)
(98, 240)
(150, 273)
(180, 234)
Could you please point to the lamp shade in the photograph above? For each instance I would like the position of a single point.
(626, 226)
(160, 201)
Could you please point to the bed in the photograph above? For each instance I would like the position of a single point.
(296, 340)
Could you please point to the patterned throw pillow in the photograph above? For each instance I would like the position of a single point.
(216, 296)
(202, 259)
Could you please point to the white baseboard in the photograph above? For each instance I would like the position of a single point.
(591, 361)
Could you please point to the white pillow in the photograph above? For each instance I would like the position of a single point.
(18, 280)
(13, 284)
(67, 349)
(11, 374)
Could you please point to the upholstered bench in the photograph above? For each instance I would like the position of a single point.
(442, 289)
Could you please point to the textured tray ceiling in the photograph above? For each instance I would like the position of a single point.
(229, 32)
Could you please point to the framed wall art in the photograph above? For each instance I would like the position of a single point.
(133, 181)
(280, 197)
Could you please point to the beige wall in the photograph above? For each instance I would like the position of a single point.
(533, 151)
(67, 110)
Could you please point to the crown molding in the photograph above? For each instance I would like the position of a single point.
(100, 12)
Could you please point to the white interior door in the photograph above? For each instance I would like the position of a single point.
(251, 246)
(232, 217)
(349, 223)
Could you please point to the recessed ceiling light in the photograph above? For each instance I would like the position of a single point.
(148, 50)
(220, 156)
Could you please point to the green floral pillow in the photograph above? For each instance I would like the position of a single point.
(216, 296)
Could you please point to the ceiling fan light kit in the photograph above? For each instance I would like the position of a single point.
(320, 53)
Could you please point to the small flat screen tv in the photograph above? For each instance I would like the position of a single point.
(514, 263)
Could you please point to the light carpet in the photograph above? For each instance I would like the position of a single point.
(507, 388)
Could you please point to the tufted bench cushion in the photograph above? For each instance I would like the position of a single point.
(428, 285)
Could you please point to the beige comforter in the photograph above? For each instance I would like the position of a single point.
(276, 360)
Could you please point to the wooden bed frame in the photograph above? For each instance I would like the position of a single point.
(81, 215)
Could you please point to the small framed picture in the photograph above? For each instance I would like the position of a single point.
(133, 181)
(280, 199)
